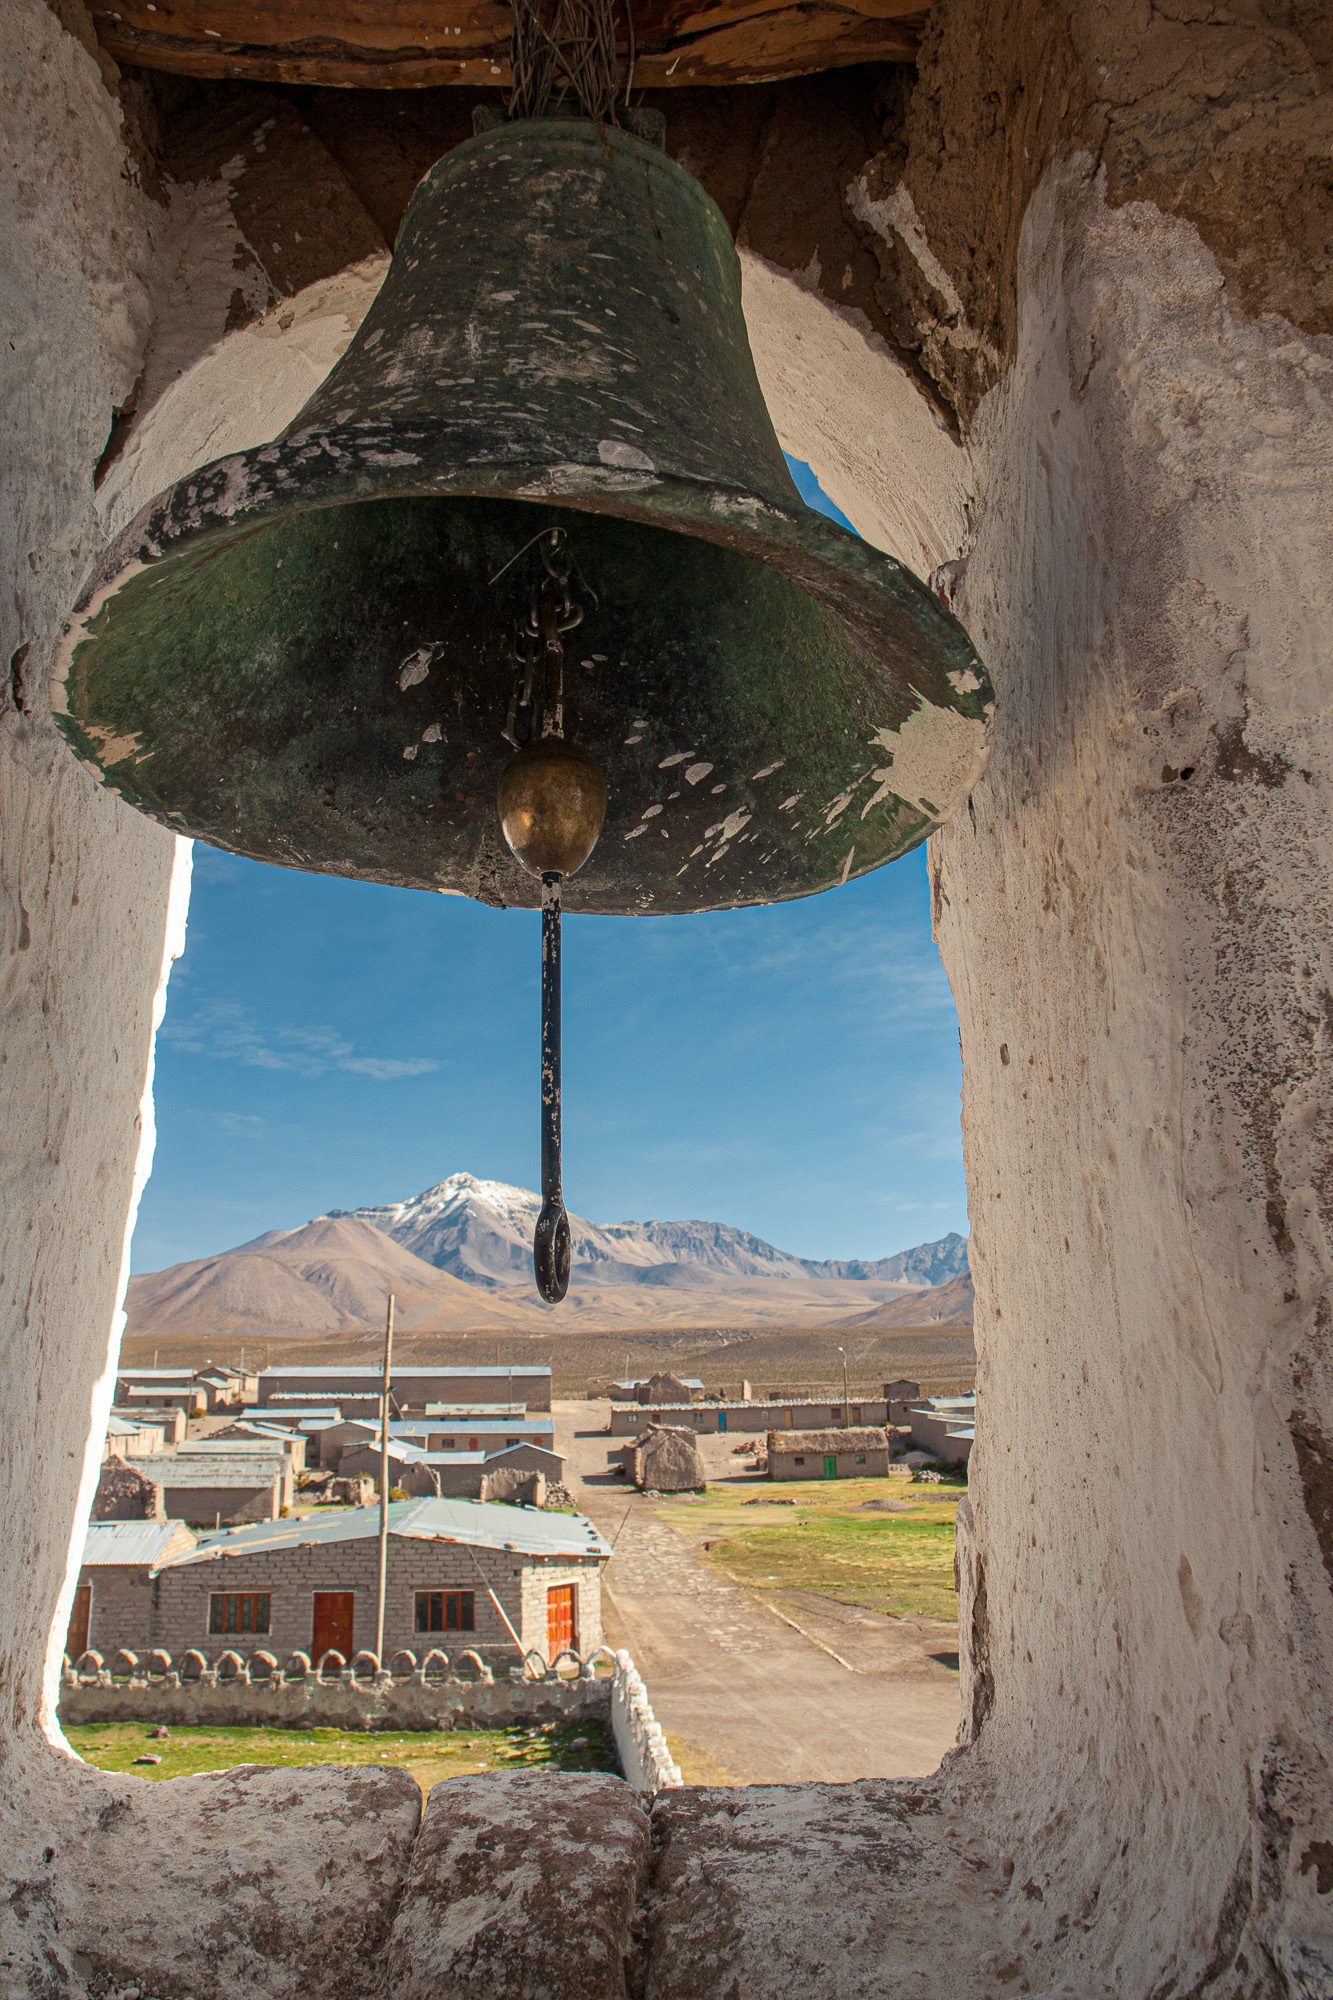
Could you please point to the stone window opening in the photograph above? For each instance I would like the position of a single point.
(238, 1611)
(1093, 1875)
(446, 1611)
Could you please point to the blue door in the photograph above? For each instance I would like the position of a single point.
(722, 1420)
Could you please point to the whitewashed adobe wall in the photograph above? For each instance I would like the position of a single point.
(1135, 920)
(1134, 916)
(84, 884)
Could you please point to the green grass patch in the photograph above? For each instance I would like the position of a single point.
(429, 1755)
(830, 1543)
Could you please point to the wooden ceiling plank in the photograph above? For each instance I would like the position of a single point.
(741, 41)
(440, 29)
(703, 21)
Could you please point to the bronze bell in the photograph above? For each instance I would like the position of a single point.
(532, 545)
(306, 652)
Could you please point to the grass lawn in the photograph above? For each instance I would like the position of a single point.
(830, 1543)
(428, 1754)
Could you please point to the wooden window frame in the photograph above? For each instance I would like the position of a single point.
(462, 1603)
(231, 1603)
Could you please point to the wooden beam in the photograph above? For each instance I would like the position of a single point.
(392, 46)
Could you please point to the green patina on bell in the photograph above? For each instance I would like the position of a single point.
(304, 652)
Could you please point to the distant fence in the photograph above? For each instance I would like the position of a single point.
(435, 1692)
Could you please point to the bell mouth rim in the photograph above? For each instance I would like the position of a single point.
(882, 603)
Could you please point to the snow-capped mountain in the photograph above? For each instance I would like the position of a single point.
(481, 1231)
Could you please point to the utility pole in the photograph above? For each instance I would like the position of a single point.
(384, 1483)
(846, 1398)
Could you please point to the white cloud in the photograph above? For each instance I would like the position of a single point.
(227, 1031)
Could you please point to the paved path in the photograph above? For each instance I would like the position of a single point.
(743, 1696)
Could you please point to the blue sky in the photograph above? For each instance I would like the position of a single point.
(793, 1070)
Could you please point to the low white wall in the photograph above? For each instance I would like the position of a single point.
(431, 1694)
(644, 1758)
(223, 1694)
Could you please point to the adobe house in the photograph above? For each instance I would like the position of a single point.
(114, 1599)
(414, 1389)
(664, 1459)
(854, 1453)
(457, 1570)
(1041, 289)
(215, 1488)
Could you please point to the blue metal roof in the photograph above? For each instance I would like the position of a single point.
(526, 1530)
(129, 1541)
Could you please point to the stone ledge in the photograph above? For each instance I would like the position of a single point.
(523, 1885)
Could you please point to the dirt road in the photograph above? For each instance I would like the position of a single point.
(742, 1695)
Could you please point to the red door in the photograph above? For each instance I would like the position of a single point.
(79, 1618)
(333, 1623)
(560, 1627)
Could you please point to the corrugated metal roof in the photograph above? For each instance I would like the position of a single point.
(511, 1426)
(526, 1530)
(234, 1447)
(218, 1470)
(283, 1408)
(129, 1541)
(360, 1374)
(481, 1410)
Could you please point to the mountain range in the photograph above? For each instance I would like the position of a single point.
(458, 1257)
(481, 1231)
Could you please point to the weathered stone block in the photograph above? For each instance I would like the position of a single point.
(818, 1892)
(281, 1882)
(524, 1886)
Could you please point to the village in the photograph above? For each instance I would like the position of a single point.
(239, 1512)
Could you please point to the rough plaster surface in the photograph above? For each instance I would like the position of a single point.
(85, 886)
(252, 1880)
(519, 1885)
(820, 1892)
(842, 406)
(1134, 916)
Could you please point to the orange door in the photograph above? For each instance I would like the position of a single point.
(560, 1627)
(333, 1623)
(79, 1617)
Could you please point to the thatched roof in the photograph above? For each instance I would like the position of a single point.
(870, 1437)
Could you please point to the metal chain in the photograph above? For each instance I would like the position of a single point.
(553, 610)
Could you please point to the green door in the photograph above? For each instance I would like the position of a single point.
(830, 1465)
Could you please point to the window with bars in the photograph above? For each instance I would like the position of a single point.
(238, 1611)
(446, 1611)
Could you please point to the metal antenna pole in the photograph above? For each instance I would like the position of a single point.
(550, 1243)
(384, 1484)
(846, 1398)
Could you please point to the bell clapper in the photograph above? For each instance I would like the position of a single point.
(552, 802)
(550, 1243)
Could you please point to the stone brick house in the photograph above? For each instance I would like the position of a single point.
(846, 1454)
(310, 1585)
(413, 1388)
(464, 1475)
(218, 1488)
(113, 1600)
